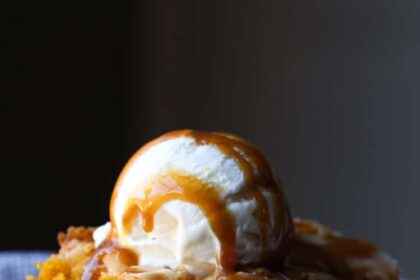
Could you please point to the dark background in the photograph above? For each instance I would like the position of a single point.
(329, 89)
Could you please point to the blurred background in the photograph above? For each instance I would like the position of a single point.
(328, 89)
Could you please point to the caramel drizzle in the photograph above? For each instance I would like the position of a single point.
(175, 186)
(232, 146)
(337, 246)
(351, 248)
(258, 175)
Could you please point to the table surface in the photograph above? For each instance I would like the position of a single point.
(17, 265)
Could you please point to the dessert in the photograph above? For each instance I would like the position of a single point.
(201, 205)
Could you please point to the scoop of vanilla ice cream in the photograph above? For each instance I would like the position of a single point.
(182, 235)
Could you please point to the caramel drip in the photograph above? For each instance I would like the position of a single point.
(258, 175)
(232, 146)
(335, 245)
(96, 266)
(351, 248)
(303, 227)
(177, 186)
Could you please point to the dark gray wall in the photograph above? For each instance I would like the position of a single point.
(62, 116)
(329, 89)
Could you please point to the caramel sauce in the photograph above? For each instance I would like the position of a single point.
(335, 245)
(175, 186)
(305, 227)
(96, 265)
(351, 248)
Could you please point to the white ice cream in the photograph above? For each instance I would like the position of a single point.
(182, 236)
